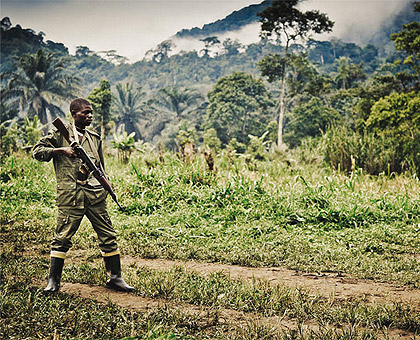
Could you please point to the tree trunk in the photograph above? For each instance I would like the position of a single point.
(102, 129)
(282, 100)
(281, 116)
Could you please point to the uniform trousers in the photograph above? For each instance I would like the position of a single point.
(68, 222)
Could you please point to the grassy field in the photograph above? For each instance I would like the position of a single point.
(256, 214)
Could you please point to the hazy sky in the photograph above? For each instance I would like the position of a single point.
(134, 26)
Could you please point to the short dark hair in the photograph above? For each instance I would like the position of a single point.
(77, 104)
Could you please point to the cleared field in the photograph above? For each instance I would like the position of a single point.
(262, 250)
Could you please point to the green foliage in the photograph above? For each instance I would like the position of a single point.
(125, 144)
(179, 102)
(9, 137)
(101, 100)
(16, 41)
(349, 151)
(348, 74)
(408, 40)
(40, 81)
(239, 106)
(236, 146)
(258, 146)
(186, 136)
(210, 138)
(129, 107)
(396, 118)
(31, 131)
(161, 53)
(273, 67)
(288, 23)
(309, 119)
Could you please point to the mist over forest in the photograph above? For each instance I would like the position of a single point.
(173, 85)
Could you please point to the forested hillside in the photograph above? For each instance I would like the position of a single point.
(328, 86)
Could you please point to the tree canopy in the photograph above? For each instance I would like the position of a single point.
(40, 81)
(239, 105)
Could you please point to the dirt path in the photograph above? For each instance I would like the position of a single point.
(330, 285)
(325, 284)
(225, 316)
(139, 303)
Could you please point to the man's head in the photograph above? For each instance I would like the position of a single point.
(81, 111)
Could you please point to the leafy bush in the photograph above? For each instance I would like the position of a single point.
(125, 145)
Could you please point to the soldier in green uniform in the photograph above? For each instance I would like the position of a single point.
(79, 194)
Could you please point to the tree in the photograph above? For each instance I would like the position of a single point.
(125, 144)
(238, 106)
(289, 25)
(171, 107)
(161, 52)
(408, 40)
(348, 73)
(396, 117)
(303, 77)
(113, 57)
(209, 42)
(129, 107)
(231, 47)
(177, 101)
(31, 131)
(38, 84)
(83, 51)
(101, 99)
(309, 119)
(5, 24)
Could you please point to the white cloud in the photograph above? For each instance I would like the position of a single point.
(131, 27)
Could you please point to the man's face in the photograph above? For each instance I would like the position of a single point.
(83, 117)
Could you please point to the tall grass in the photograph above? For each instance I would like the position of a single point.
(347, 150)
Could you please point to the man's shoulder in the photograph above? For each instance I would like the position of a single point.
(93, 133)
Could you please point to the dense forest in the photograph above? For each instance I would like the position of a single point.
(356, 104)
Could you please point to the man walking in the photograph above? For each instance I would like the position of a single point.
(78, 194)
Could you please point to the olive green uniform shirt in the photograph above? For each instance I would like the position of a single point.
(71, 194)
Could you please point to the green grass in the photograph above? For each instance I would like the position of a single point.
(306, 219)
(265, 214)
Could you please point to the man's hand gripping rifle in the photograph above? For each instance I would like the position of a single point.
(81, 153)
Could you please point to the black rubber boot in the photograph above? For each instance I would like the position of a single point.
(54, 278)
(116, 282)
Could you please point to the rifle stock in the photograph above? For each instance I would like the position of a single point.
(81, 153)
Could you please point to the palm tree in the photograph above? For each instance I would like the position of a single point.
(348, 73)
(130, 107)
(39, 82)
(342, 78)
(177, 101)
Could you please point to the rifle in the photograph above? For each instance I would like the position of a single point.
(81, 153)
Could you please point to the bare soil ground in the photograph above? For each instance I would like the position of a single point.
(224, 316)
(331, 285)
(322, 284)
